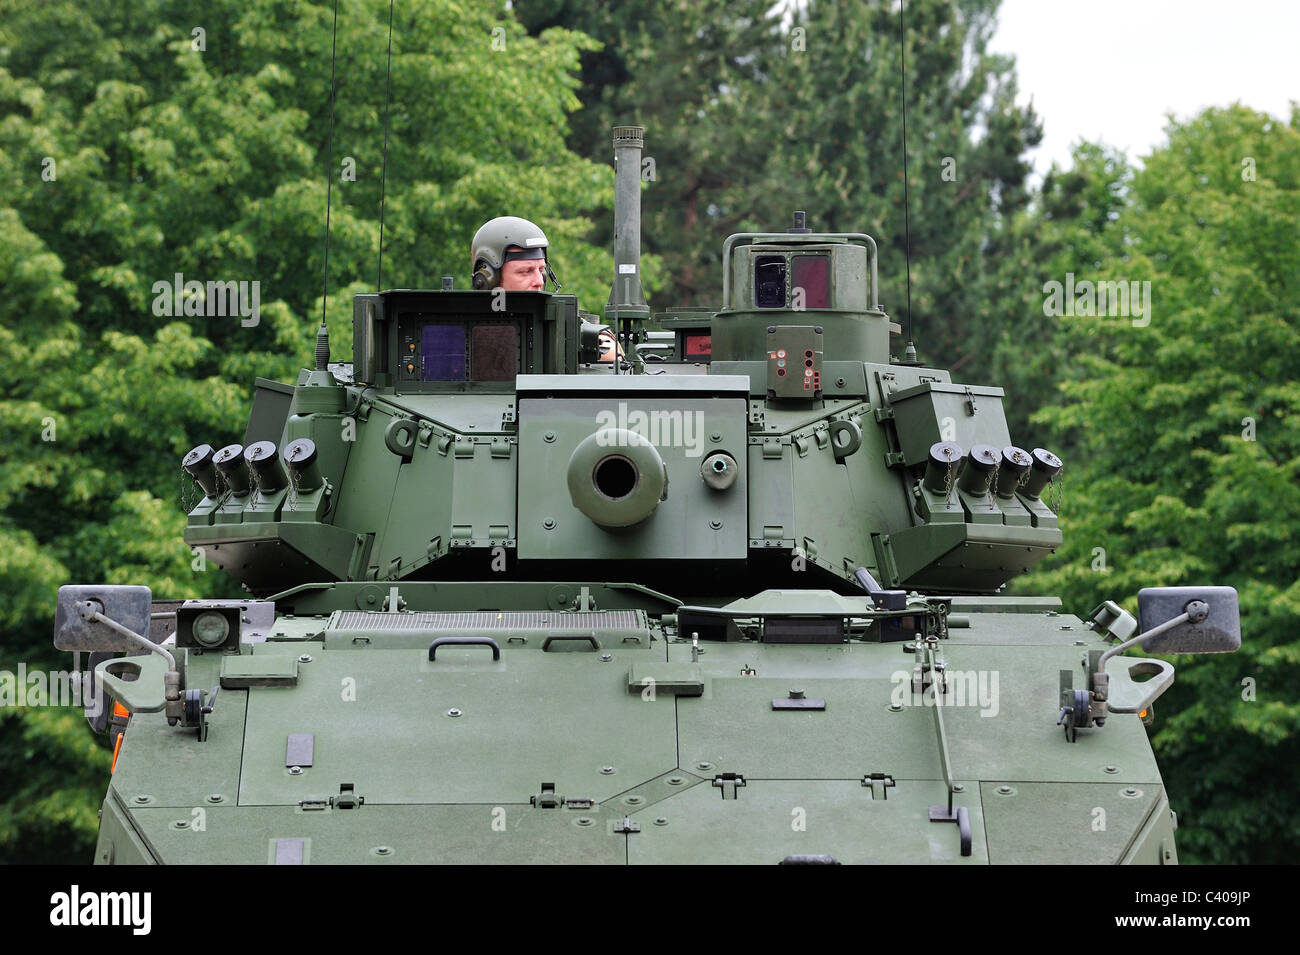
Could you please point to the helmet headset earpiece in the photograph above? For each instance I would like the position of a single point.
(485, 277)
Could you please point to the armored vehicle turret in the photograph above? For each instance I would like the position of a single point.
(735, 596)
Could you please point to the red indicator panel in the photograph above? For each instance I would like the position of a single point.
(494, 353)
(812, 273)
(698, 346)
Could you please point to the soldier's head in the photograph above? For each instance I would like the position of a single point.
(509, 253)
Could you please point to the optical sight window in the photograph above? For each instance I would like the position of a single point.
(443, 347)
(769, 281)
(487, 352)
(494, 353)
(812, 273)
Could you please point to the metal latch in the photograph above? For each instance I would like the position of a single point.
(728, 782)
(347, 798)
(546, 799)
(879, 784)
(627, 826)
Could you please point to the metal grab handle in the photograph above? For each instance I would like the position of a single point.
(963, 827)
(961, 817)
(464, 642)
(589, 637)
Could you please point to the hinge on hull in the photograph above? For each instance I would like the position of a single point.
(728, 782)
(546, 799)
(347, 798)
(879, 784)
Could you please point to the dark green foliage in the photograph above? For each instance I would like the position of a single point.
(1069, 229)
(750, 117)
(1183, 454)
(54, 775)
(133, 148)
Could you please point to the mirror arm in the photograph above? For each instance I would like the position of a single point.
(86, 609)
(1134, 641)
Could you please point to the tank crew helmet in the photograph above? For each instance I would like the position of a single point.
(501, 240)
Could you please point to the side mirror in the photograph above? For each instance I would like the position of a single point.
(1214, 627)
(128, 606)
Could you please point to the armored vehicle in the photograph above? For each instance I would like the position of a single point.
(734, 596)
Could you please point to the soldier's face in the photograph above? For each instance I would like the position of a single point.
(524, 275)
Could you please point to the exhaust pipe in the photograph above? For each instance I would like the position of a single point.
(627, 307)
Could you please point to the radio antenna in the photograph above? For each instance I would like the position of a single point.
(383, 175)
(329, 177)
(910, 354)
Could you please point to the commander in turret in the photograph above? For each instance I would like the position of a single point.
(510, 253)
